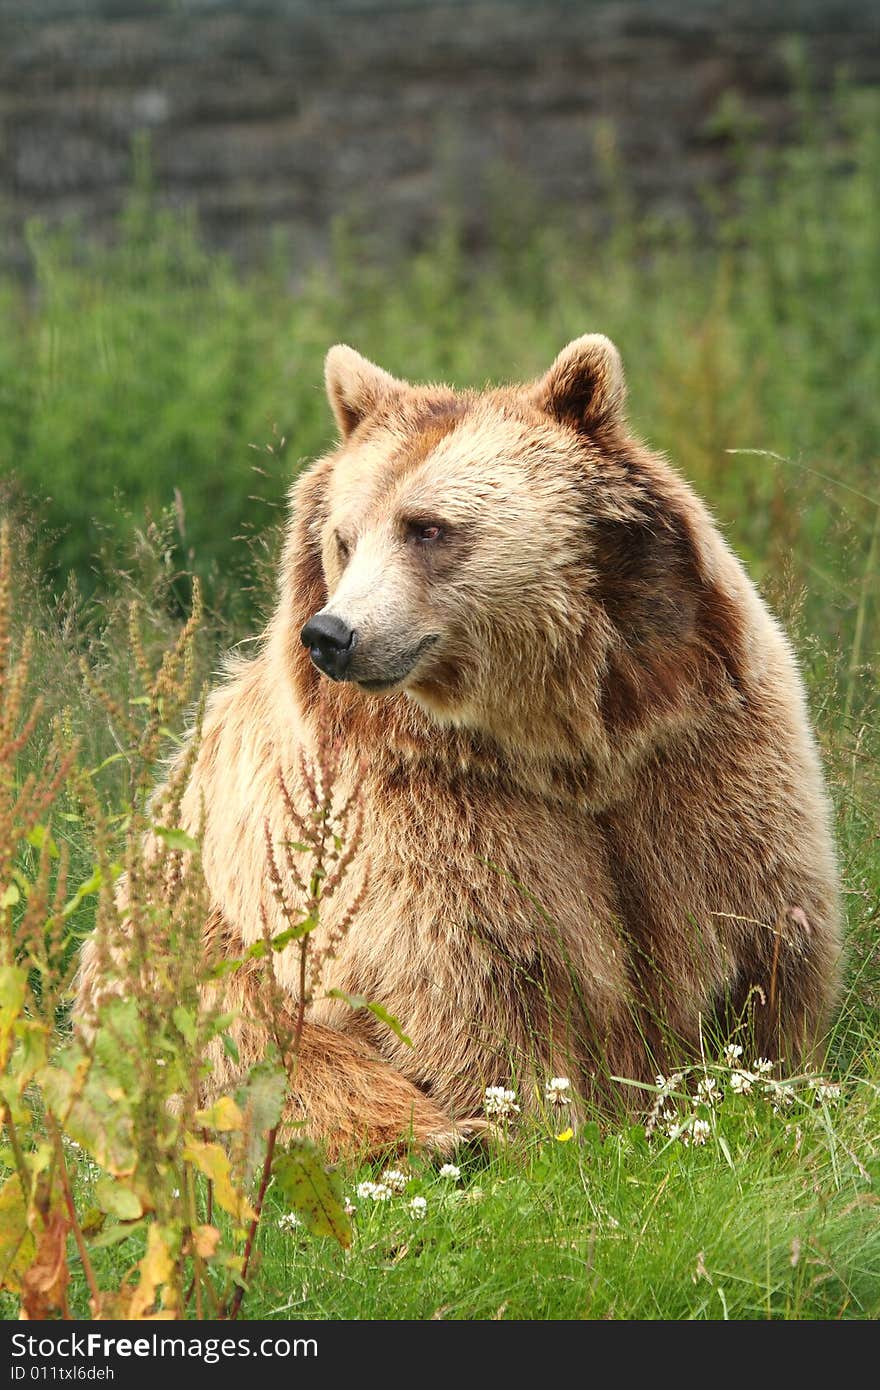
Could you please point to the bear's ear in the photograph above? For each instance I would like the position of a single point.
(355, 386)
(585, 387)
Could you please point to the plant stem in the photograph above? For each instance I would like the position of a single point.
(20, 1161)
(252, 1233)
(74, 1221)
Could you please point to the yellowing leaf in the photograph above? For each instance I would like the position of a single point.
(157, 1268)
(16, 1241)
(10, 896)
(13, 986)
(205, 1241)
(313, 1191)
(224, 1115)
(213, 1161)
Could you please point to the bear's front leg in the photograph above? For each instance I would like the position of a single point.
(342, 1093)
(356, 1104)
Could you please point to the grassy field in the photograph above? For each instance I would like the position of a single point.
(154, 404)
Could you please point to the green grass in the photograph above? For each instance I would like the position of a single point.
(775, 1217)
(753, 358)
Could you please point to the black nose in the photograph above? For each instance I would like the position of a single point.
(330, 642)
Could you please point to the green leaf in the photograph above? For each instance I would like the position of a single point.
(38, 837)
(185, 1023)
(92, 1108)
(313, 1191)
(93, 1222)
(283, 938)
(176, 838)
(84, 890)
(357, 1001)
(230, 1047)
(117, 1199)
(261, 1100)
(114, 1234)
(294, 933)
(222, 968)
(93, 772)
(32, 1052)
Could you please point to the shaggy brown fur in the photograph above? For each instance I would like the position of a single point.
(594, 811)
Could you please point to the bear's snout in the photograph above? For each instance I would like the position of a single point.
(330, 642)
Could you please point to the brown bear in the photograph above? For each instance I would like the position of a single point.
(592, 804)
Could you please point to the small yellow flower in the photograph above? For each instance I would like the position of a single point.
(564, 1137)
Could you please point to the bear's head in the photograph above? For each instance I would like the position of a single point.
(510, 561)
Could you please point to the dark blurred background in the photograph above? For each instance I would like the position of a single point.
(285, 113)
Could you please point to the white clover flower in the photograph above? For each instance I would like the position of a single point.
(449, 1170)
(783, 1093)
(289, 1221)
(707, 1092)
(499, 1102)
(763, 1066)
(700, 1131)
(349, 1207)
(175, 1192)
(417, 1208)
(732, 1054)
(554, 1092)
(373, 1191)
(395, 1179)
(668, 1084)
(825, 1090)
(740, 1082)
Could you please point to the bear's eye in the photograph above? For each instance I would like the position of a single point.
(342, 547)
(425, 532)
